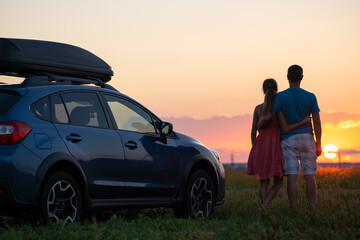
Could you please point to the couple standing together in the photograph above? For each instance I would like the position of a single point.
(285, 139)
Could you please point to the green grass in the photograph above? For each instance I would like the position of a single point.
(337, 216)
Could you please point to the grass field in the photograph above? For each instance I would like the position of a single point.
(337, 216)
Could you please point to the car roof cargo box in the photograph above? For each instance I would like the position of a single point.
(24, 57)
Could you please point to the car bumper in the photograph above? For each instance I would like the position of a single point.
(221, 186)
(9, 206)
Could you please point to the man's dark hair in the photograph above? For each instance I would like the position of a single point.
(295, 73)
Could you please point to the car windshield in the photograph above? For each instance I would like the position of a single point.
(7, 99)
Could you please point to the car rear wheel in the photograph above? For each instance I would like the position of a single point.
(60, 198)
(200, 195)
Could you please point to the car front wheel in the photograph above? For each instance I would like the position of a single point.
(200, 195)
(60, 198)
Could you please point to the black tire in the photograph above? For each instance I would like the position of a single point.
(60, 198)
(200, 195)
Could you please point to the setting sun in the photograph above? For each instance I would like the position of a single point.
(330, 151)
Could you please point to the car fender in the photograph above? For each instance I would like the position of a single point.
(189, 167)
(49, 162)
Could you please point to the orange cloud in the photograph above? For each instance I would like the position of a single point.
(342, 125)
(349, 124)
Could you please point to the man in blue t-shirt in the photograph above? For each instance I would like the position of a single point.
(296, 104)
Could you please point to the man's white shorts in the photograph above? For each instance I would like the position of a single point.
(299, 147)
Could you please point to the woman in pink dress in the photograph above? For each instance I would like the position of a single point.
(265, 158)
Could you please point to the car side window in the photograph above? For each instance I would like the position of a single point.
(60, 115)
(130, 117)
(84, 109)
(41, 109)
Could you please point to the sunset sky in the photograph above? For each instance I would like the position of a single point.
(206, 59)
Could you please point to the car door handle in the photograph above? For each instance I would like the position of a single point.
(73, 137)
(131, 145)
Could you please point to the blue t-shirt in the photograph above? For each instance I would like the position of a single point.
(296, 104)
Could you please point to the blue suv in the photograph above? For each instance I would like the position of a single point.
(70, 143)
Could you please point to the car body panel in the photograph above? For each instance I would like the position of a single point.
(101, 156)
(152, 167)
(17, 165)
(192, 152)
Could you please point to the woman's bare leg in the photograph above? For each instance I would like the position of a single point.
(264, 184)
(272, 192)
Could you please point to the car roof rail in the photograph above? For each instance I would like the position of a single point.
(44, 78)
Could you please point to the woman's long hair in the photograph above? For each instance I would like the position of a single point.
(270, 90)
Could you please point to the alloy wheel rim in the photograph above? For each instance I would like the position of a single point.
(201, 198)
(62, 202)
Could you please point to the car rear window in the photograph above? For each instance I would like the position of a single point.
(41, 109)
(7, 100)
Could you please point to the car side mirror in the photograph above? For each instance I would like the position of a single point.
(166, 128)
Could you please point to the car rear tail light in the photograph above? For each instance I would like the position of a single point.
(13, 132)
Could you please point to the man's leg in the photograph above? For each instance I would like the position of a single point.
(308, 164)
(291, 167)
(311, 191)
(292, 189)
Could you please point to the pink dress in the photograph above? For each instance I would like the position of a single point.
(265, 155)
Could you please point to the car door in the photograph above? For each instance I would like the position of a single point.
(152, 167)
(81, 122)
